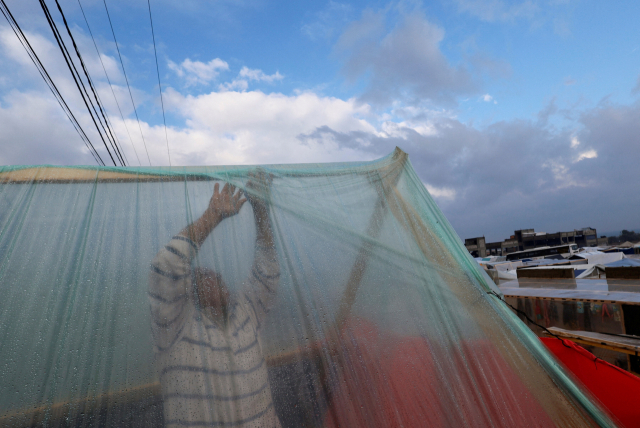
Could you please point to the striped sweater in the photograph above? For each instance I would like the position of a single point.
(212, 374)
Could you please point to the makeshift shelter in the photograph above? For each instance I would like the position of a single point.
(597, 257)
(382, 318)
(626, 262)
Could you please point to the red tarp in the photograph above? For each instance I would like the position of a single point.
(617, 390)
(391, 381)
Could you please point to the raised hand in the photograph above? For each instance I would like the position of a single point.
(225, 203)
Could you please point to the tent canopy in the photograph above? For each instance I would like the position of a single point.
(381, 317)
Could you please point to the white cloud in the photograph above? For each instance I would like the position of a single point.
(52, 59)
(513, 173)
(399, 129)
(233, 127)
(235, 85)
(562, 174)
(222, 128)
(246, 75)
(29, 105)
(110, 65)
(574, 142)
(197, 72)
(441, 193)
(489, 99)
(22, 70)
(589, 154)
(254, 127)
(258, 75)
(36, 130)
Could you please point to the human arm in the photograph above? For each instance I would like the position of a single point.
(264, 231)
(170, 281)
(265, 273)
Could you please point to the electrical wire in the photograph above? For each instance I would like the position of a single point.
(126, 79)
(74, 71)
(106, 128)
(153, 36)
(49, 82)
(110, 134)
(110, 85)
(524, 314)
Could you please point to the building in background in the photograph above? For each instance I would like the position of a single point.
(476, 246)
(525, 239)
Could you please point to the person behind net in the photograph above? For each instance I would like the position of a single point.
(209, 354)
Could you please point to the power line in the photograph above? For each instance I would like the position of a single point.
(45, 76)
(110, 85)
(153, 36)
(110, 133)
(74, 71)
(126, 79)
(105, 126)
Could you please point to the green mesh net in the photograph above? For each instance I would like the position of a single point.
(360, 308)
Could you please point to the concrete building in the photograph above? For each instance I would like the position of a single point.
(528, 238)
(502, 247)
(476, 246)
(525, 239)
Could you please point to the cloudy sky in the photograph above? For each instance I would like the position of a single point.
(515, 114)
